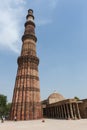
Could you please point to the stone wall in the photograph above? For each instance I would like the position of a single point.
(83, 108)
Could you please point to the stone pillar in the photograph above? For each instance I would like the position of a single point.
(62, 112)
(47, 111)
(57, 112)
(51, 112)
(78, 112)
(74, 111)
(65, 111)
(71, 111)
(54, 112)
(68, 114)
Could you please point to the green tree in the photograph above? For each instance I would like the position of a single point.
(3, 101)
(4, 106)
(8, 107)
(76, 98)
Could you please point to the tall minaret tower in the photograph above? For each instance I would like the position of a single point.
(26, 97)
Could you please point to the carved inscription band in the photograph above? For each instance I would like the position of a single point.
(27, 89)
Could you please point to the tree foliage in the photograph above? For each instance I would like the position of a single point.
(76, 98)
(3, 101)
(4, 106)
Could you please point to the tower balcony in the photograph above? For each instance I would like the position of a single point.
(29, 36)
(29, 23)
(23, 59)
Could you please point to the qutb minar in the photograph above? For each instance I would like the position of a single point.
(26, 103)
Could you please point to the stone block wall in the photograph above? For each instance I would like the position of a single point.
(83, 108)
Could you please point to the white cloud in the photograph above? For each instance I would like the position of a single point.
(21, 1)
(11, 16)
(12, 13)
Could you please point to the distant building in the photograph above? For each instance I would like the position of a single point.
(56, 106)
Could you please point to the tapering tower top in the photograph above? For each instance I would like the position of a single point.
(30, 16)
(30, 10)
(29, 27)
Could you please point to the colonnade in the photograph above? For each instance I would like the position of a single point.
(62, 111)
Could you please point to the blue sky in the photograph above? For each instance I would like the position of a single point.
(61, 29)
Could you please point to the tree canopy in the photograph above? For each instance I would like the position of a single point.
(77, 98)
(4, 106)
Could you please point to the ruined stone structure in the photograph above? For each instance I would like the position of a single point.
(83, 108)
(61, 108)
(26, 103)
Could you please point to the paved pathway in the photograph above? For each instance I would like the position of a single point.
(49, 124)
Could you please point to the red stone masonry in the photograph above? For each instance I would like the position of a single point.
(26, 103)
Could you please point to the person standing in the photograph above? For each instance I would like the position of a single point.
(15, 118)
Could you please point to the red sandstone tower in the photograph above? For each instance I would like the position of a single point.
(26, 98)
